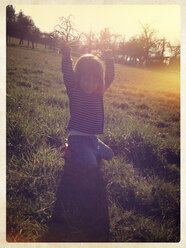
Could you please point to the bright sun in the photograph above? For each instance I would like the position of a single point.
(122, 19)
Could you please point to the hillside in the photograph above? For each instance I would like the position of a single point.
(135, 197)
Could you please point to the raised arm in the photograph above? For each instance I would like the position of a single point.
(109, 69)
(66, 67)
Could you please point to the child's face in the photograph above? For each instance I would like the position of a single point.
(89, 83)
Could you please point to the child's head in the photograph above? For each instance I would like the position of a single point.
(89, 74)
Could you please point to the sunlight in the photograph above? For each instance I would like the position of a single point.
(149, 83)
(122, 19)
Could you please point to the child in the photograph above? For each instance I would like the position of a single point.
(85, 88)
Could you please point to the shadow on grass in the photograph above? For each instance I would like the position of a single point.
(81, 210)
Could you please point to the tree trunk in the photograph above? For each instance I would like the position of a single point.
(8, 39)
(21, 41)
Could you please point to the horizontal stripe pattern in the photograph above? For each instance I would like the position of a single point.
(86, 110)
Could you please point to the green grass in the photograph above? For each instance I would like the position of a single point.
(142, 126)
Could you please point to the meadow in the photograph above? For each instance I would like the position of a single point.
(142, 126)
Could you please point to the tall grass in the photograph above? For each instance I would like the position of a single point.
(142, 125)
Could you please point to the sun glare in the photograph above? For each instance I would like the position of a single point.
(122, 19)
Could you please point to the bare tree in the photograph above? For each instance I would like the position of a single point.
(105, 37)
(148, 41)
(115, 43)
(161, 50)
(66, 32)
(174, 50)
(175, 55)
(89, 41)
(161, 47)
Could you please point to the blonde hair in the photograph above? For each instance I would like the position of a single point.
(89, 63)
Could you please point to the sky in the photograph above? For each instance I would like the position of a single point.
(121, 19)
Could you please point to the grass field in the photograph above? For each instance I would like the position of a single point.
(138, 192)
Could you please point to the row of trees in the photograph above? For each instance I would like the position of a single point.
(142, 50)
(21, 26)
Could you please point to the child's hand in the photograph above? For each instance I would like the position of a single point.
(108, 54)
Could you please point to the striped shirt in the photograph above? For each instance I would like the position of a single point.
(86, 110)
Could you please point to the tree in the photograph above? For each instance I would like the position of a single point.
(135, 51)
(148, 40)
(160, 52)
(175, 55)
(89, 41)
(115, 42)
(105, 39)
(10, 21)
(108, 40)
(66, 32)
(10, 14)
(54, 40)
(34, 35)
(161, 47)
(45, 38)
(25, 24)
(174, 50)
(132, 51)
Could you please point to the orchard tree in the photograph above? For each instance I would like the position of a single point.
(108, 40)
(174, 50)
(54, 40)
(175, 54)
(10, 14)
(161, 47)
(45, 37)
(134, 51)
(10, 21)
(89, 41)
(66, 31)
(48, 39)
(161, 50)
(149, 41)
(35, 35)
(105, 39)
(25, 24)
(115, 43)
